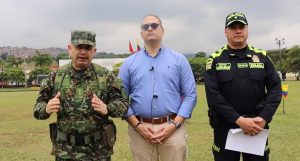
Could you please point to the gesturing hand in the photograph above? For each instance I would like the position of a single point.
(53, 104)
(98, 105)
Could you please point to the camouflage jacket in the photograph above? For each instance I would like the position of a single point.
(77, 88)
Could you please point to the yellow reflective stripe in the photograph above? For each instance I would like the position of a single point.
(267, 147)
(219, 52)
(256, 50)
(216, 148)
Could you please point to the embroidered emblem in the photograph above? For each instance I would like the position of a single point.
(223, 66)
(257, 65)
(255, 59)
(242, 65)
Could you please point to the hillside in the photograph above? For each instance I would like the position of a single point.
(24, 51)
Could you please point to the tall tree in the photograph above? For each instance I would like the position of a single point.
(15, 75)
(293, 60)
(62, 56)
(200, 54)
(2, 77)
(198, 67)
(275, 55)
(4, 56)
(42, 59)
(38, 71)
(12, 61)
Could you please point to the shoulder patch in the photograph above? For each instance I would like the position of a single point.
(209, 63)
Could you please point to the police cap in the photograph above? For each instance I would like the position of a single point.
(235, 17)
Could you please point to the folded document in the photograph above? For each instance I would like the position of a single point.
(238, 141)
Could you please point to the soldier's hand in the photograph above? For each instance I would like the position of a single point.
(98, 105)
(53, 104)
(249, 126)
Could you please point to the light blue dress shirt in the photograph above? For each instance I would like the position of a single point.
(159, 86)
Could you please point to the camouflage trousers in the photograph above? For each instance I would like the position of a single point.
(60, 159)
(89, 152)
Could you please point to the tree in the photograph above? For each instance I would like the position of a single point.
(2, 76)
(62, 56)
(4, 56)
(2, 62)
(200, 54)
(13, 61)
(38, 71)
(42, 59)
(293, 61)
(15, 75)
(198, 67)
(275, 57)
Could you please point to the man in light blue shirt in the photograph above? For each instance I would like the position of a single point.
(162, 92)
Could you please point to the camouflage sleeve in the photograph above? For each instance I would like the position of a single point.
(118, 101)
(45, 94)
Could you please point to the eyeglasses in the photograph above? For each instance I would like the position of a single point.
(154, 26)
(85, 47)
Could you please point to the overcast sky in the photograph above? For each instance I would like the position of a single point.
(190, 25)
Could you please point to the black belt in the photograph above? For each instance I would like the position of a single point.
(78, 139)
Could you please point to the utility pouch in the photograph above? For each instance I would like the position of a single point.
(53, 132)
(109, 134)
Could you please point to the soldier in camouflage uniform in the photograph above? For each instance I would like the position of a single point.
(83, 95)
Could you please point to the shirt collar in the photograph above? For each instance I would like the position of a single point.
(159, 51)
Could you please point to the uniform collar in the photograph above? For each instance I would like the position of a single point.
(82, 74)
(240, 53)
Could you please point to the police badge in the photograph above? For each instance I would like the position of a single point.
(255, 59)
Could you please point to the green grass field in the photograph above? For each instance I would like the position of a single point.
(22, 138)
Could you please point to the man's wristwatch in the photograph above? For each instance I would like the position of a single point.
(177, 124)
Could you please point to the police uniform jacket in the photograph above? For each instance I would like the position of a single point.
(241, 83)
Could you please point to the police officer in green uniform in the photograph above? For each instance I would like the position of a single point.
(243, 89)
(82, 95)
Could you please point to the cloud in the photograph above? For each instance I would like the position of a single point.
(191, 25)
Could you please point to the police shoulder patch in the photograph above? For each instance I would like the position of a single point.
(209, 63)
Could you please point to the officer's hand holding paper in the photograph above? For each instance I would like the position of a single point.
(238, 141)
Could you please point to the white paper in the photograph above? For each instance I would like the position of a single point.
(238, 141)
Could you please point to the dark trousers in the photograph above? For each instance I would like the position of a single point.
(221, 154)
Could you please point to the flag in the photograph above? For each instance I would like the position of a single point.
(130, 47)
(285, 89)
(138, 48)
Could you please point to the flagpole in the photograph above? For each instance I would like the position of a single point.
(284, 88)
(283, 105)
